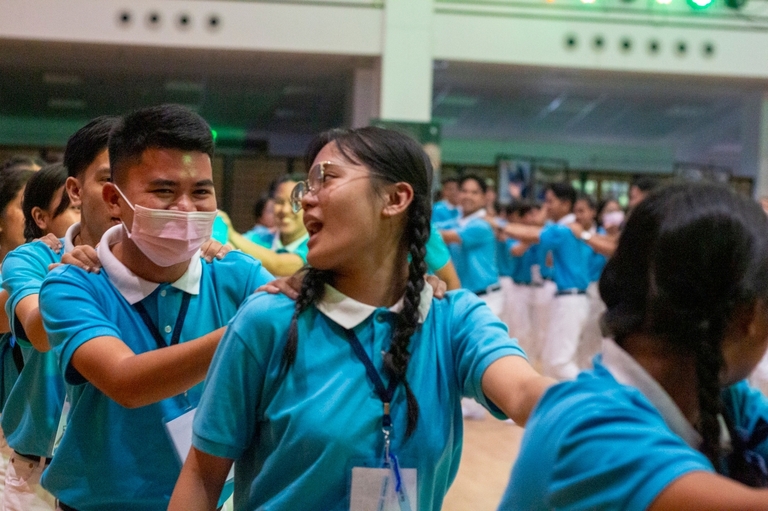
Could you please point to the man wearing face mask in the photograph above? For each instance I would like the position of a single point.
(134, 341)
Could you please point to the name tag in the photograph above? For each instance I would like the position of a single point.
(375, 489)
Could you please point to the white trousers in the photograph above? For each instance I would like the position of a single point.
(592, 336)
(568, 317)
(510, 304)
(495, 301)
(540, 313)
(23, 491)
(5, 457)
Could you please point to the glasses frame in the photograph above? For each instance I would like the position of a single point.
(309, 185)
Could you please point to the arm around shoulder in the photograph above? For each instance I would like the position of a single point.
(706, 491)
(199, 485)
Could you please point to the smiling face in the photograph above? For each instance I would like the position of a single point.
(472, 197)
(585, 214)
(344, 215)
(289, 224)
(163, 179)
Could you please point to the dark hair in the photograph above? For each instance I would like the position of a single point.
(391, 157)
(588, 199)
(87, 143)
(259, 206)
(603, 203)
(157, 127)
(474, 177)
(11, 183)
(40, 190)
(21, 162)
(563, 191)
(645, 184)
(689, 255)
(450, 180)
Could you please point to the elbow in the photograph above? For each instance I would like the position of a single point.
(126, 394)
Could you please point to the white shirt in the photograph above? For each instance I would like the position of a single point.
(480, 213)
(133, 288)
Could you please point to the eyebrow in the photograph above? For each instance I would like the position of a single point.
(204, 183)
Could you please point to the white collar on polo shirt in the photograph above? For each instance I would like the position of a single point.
(133, 288)
(627, 371)
(567, 219)
(480, 213)
(348, 313)
(69, 237)
(291, 247)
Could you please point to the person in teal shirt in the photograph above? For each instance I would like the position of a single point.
(438, 259)
(264, 228)
(134, 341)
(665, 421)
(32, 413)
(300, 395)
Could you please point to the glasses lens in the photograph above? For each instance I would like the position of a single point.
(315, 177)
(297, 194)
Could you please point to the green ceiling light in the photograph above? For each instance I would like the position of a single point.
(215, 134)
(700, 4)
(735, 4)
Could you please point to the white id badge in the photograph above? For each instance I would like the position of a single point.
(180, 431)
(374, 489)
(62, 425)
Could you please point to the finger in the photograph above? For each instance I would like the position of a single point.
(53, 266)
(268, 288)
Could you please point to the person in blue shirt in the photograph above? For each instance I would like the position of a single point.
(438, 259)
(449, 208)
(135, 340)
(585, 211)
(31, 414)
(311, 399)
(287, 252)
(264, 228)
(665, 420)
(570, 307)
(472, 243)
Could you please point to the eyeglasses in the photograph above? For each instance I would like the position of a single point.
(312, 185)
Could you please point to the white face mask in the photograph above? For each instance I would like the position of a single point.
(166, 236)
(613, 219)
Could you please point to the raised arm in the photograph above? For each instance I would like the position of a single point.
(515, 387)
(28, 314)
(448, 275)
(134, 380)
(525, 233)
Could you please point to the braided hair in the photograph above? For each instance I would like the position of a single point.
(689, 256)
(390, 157)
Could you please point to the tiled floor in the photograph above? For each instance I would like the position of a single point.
(490, 448)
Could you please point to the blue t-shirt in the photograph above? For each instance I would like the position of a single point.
(571, 270)
(594, 443)
(32, 412)
(475, 257)
(507, 263)
(112, 457)
(596, 261)
(437, 254)
(9, 373)
(523, 263)
(296, 439)
(443, 211)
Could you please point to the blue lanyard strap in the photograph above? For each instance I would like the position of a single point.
(153, 328)
(384, 393)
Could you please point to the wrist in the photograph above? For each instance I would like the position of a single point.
(586, 236)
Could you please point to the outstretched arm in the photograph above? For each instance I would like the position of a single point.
(199, 485)
(705, 491)
(514, 386)
(524, 233)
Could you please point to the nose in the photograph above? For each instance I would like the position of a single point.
(185, 203)
(309, 199)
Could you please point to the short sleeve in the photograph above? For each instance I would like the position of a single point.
(552, 235)
(67, 289)
(478, 339)
(24, 270)
(438, 254)
(476, 233)
(235, 382)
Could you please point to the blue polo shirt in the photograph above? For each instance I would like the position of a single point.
(443, 211)
(298, 247)
(260, 235)
(437, 254)
(507, 263)
(523, 263)
(596, 261)
(9, 373)
(112, 457)
(595, 443)
(475, 257)
(571, 267)
(296, 439)
(32, 412)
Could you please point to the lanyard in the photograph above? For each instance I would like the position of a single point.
(384, 393)
(153, 328)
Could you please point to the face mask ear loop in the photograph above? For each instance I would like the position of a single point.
(124, 197)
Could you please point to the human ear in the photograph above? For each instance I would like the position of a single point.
(397, 198)
(74, 191)
(40, 217)
(111, 196)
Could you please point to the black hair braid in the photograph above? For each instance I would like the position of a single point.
(396, 360)
(709, 364)
(312, 289)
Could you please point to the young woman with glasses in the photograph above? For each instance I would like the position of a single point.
(352, 392)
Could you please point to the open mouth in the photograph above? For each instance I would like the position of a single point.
(313, 226)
